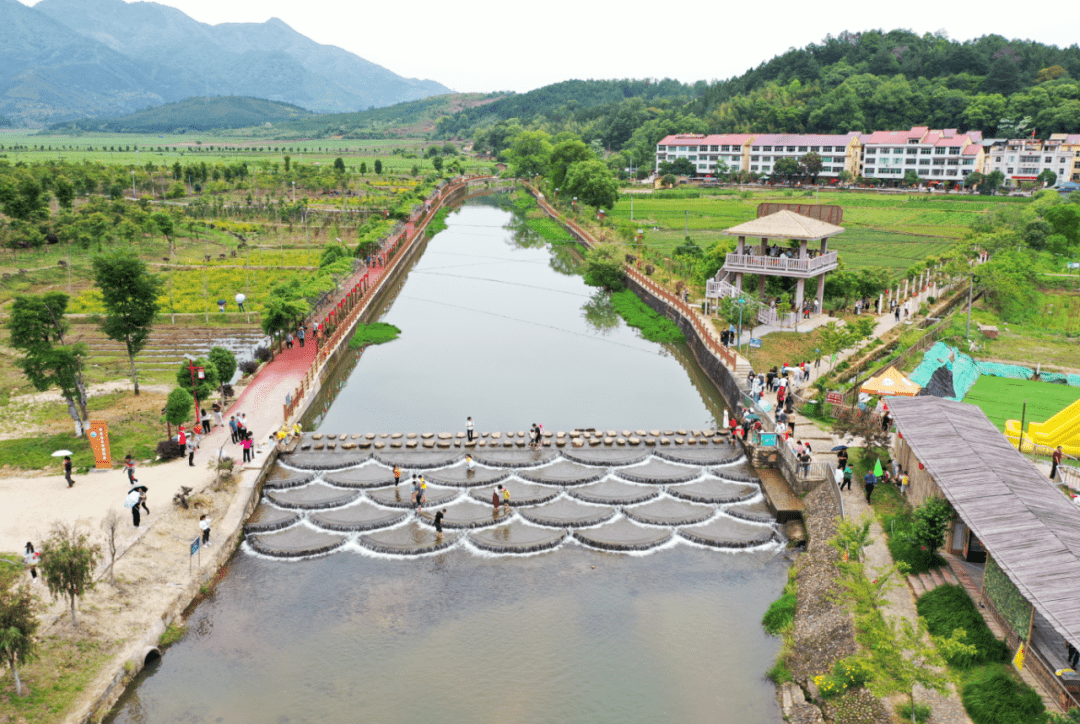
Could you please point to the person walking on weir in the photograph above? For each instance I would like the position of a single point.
(438, 523)
(469, 428)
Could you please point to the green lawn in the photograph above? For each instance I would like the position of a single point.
(1003, 399)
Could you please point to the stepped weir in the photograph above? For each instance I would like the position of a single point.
(627, 491)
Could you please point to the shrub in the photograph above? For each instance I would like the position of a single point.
(780, 616)
(903, 550)
(262, 354)
(851, 672)
(169, 450)
(374, 333)
(948, 608)
(249, 366)
(920, 715)
(637, 314)
(998, 698)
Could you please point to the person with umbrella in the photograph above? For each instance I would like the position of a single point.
(240, 301)
(221, 305)
(841, 456)
(136, 497)
(66, 454)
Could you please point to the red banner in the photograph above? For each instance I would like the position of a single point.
(98, 434)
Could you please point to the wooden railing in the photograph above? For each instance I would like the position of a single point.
(779, 264)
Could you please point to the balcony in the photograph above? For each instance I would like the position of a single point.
(781, 266)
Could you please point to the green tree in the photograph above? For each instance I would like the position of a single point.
(378, 167)
(65, 193)
(529, 154)
(224, 362)
(679, 167)
(164, 223)
(601, 270)
(437, 162)
(339, 166)
(129, 292)
(834, 340)
(1047, 178)
(284, 307)
(787, 168)
(930, 523)
(38, 326)
(203, 388)
(911, 178)
(563, 154)
(24, 200)
(363, 168)
(811, 165)
(591, 181)
(67, 563)
(178, 408)
(18, 624)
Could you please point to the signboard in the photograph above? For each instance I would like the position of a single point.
(755, 343)
(1074, 264)
(768, 438)
(98, 435)
(835, 398)
(196, 545)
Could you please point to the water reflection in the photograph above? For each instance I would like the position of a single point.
(600, 313)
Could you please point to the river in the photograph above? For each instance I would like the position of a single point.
(494, 324)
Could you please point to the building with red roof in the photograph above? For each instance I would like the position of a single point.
(1025, 159)
(937, 157)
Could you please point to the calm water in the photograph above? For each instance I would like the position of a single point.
(497, 325)
(574, 636)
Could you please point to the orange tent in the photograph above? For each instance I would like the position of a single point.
(890, 382)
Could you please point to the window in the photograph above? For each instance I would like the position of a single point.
(753, 168)
(1012, 159)
(969, 162)
(954, 162)
(939, 151)
(924, 151)
(692, 158)
(766, 148)
(681, 148)
(1048, 159)
(1061, 160)
(951, 172)
(791, 149)
(755, 148)
(924, 162)
(909, 162)
(815, 149)
(755, 158)
(714, 148)
(725, 148)
(871, 151)
(661, 148)
(954, 150)
(997, 159)
(937, 172)
(1009, 169)
(802, 149)
(826, 149)
(1029, 159)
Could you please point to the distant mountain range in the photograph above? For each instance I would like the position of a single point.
(65, 59)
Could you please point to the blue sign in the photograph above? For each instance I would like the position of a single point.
(768, 438)
(195, 545)
(754, 342)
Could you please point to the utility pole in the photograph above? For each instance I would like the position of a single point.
(687, 227)
(971, 287)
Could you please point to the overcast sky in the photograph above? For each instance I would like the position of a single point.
(488, 45)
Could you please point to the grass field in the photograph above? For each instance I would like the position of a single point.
(1003, 399)
(893, 231)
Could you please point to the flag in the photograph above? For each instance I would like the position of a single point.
(877, 468)
(1018, 660)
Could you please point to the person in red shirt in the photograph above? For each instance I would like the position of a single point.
(1055, 460)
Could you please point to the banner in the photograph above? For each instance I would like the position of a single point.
(99, 441)
(1018, 660)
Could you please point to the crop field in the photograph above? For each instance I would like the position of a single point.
(1003, 399)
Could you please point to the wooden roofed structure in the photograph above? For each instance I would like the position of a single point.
(1029, 529)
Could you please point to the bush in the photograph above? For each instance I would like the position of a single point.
(249, 366)
(998, 698)
(920, 715)
(948, 608)
(262, 354)
(780, 616)
(374, 333)
(637, 314)
(903, 550)
(169, 450)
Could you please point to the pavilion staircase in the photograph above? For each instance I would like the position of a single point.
(921, 583)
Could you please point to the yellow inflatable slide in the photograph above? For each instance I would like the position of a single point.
(1061, 429)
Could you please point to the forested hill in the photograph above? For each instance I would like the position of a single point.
(854, 82)
(194, 114)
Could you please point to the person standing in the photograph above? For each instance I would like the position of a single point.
(300, 334)
(204, 526)
(132, 501)
(67, 470)
(907, 309)
(288, 340)
(246, 445)
(233, 428)
(869, 482)
(31, 558)
(438, 523)
(1055, 460)
(496, 501)
(190, 450)
(469, 429)
(129, 468)
(397, 475)
(849, 474)
(470, 464)
(415, 495)
(896, 312)
(206, 425)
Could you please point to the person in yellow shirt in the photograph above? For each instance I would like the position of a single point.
(506, 498)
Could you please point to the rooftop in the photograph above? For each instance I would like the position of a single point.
(785, 225)
(1025, 523)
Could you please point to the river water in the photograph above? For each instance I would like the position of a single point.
(494, 325)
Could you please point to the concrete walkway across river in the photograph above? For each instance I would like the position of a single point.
(612, 492)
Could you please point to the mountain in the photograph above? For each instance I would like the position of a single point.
(164, 55)
(47, 70)
(194, 114)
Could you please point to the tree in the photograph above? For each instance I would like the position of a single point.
(834, 340)
(680, 167)
(129, 292)
(601, 270)
(65, 193)
(204, 388)
(786, 168)
(437, 162)
(225, 363)
(931, 522)
(529, 153)
(165, 224)
(110, 524)
(1047, 178)
(378, 167)
(811, 165)
(67, 563)
(563, 155)
(178, 408)
(18, 625)
(591, 181)
(911, 178)
(38, 327)
(339, 166)
(283, 308)
(363, 168)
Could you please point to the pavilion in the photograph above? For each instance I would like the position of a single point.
(804, 264)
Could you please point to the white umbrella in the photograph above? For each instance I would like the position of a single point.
(240, 298)
(62, 453)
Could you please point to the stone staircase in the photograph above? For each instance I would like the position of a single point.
(925, 582)
(167, 345)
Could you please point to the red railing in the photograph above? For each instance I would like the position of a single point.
(354, 300)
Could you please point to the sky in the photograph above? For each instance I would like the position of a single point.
(492, 45)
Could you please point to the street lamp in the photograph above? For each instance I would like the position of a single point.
(742, 304)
